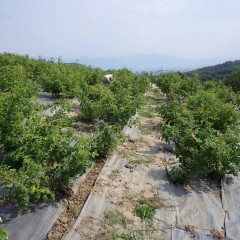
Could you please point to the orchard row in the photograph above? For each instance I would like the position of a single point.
(41, 154)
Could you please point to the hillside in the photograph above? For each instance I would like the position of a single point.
(217, 72)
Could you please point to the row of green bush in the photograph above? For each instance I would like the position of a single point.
(41, 154)
(203, 122)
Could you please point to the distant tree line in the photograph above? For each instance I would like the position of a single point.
(217, 72)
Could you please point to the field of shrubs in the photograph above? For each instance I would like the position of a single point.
(41, 154)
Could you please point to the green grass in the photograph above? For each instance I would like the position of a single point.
(128, 235)
(115, 217)
(126, 154)
(147, 131)
(75, 209)
(141, 161)
(147, 111)
(145, 211)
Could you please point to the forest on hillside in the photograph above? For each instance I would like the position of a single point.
(217, 72)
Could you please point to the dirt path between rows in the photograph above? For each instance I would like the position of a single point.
(134, 177)
(73, 204)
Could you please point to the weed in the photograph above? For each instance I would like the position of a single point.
(126, 154)
(147, 131)
(129, 196)
(145, 211)
(141, 161)
(127, 235)
(134, 121)
(115, 217)
(3, 234)
(115, 171)
(142, 140)
(109, 236)
(75, 209)
(136, 235)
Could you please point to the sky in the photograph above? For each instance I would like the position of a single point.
(195, 29)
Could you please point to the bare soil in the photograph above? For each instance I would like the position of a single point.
(73, 204)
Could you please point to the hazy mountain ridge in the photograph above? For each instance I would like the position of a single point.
(143, 62)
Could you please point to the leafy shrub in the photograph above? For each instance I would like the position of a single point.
(15, 76)
(106, 139)
(41, 153)
(58, 79)
(114, 104)
(3, 234)
(205, 129)
(44, 159)
(176, 85)
(91, 101)
(233, 80)
(16, 103)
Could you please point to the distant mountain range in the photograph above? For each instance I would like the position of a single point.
(217, 72)
(144, 62)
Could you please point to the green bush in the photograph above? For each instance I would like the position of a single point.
(43, 159)
(106, 139)
(205, 128)
(116, 103)
(16, 102)
(41, 154)
(176, 85)
(233, 80)
(3, 234)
